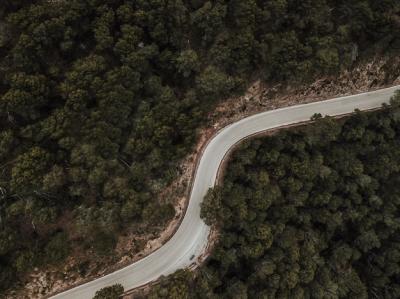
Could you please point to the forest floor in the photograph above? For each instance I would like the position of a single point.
(259, 97)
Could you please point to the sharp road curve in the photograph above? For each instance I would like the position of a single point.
(191, 237)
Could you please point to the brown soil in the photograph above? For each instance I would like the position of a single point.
(259, 97)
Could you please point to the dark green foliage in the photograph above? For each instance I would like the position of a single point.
(173, 287)
(99, 101)
(104, 243)
(57, 248)
(112, 292)
(211, 207)
(309, 213)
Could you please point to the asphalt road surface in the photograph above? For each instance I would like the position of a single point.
(191, 237)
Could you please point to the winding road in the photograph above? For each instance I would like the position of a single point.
(191, 237)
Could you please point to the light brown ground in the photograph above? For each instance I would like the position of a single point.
(259, 97)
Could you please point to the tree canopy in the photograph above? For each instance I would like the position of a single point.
(100, 100)
(112, 292)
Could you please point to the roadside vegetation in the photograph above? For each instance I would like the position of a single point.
(311, 212)
(111, 292)
(99, 101)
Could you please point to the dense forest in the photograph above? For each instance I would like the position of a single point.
(100, 99)
(312, 212)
